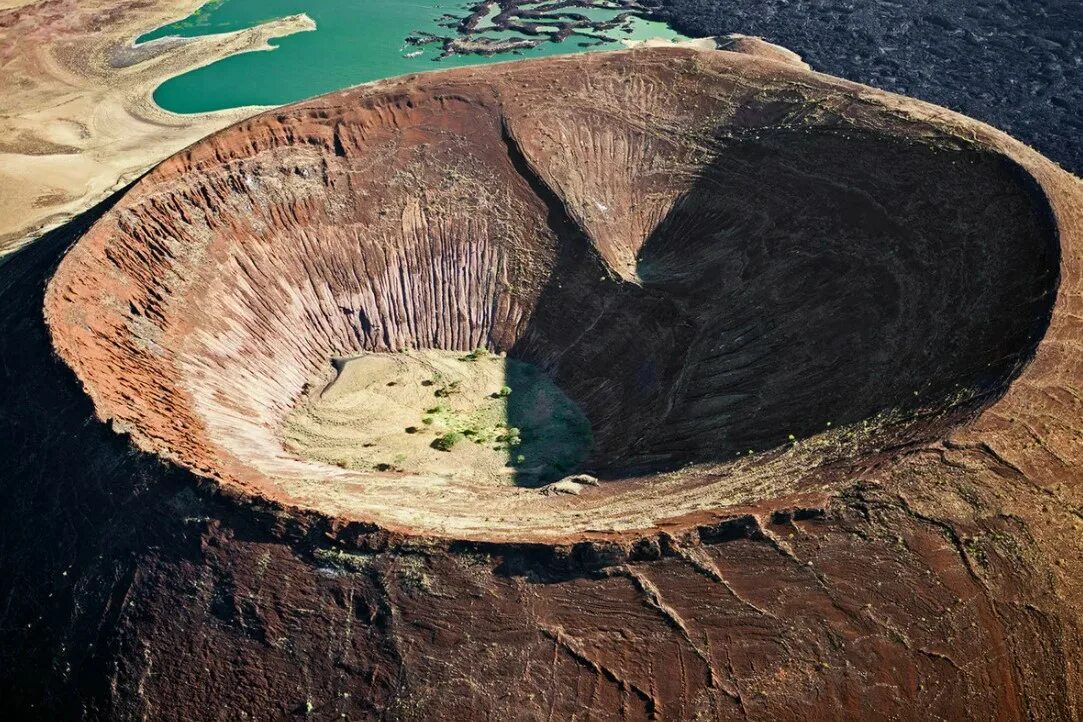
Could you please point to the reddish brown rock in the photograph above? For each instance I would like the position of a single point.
(751, 45)
(711, 253)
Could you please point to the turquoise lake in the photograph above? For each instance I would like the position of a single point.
(355, 41)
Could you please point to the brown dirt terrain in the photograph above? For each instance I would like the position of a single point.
(826, 338)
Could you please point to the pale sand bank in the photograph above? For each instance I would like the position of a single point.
(77, 120)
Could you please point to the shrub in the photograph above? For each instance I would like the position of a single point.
(444, 391)
(511, 436)
(447, 441)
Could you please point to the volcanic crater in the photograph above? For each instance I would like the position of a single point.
(749, 280)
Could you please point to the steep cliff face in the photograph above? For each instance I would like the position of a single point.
(822, 335)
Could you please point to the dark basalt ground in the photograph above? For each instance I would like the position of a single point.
(1016, 64)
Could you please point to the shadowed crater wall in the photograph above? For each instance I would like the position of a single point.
(803, 280)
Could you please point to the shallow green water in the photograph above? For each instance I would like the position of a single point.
(355, 41)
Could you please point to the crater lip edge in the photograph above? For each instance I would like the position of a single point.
(740, 366)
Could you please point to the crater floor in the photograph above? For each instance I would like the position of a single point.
(441, 416)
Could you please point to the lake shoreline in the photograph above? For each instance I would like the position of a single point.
(78, 117)
(81, 117)
(556, 24)
(395, 39)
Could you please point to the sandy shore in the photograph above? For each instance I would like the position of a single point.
(76, 116)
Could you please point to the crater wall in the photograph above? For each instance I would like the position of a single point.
(711, 266)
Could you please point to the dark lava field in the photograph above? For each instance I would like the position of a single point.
(1015, 64)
